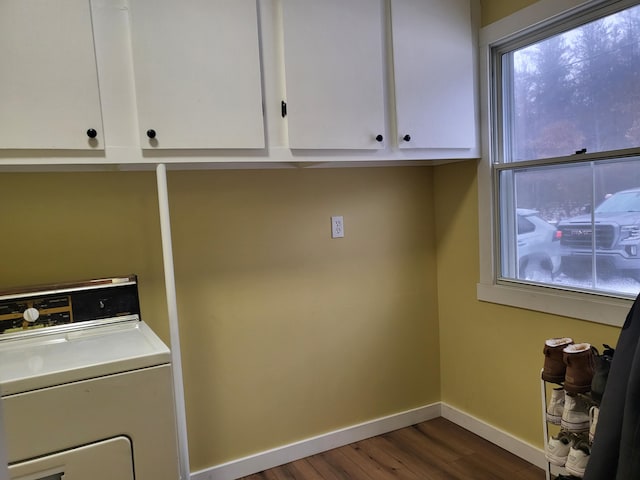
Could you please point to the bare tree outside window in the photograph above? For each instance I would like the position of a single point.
(572, 93)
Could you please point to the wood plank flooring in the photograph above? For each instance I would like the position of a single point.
(433, 450)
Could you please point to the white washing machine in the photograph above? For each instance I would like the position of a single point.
(86, 386)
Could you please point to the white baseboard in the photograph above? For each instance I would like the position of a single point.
(321, 443)
(311, 446)
(518, 447)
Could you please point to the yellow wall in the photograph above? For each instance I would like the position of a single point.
(289, 333)
(493, 10)
(491, 355)
(76, 226)
(286, 333)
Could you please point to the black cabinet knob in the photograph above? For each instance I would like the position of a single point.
(91, 133)
(407, 138)
(151, 133)
(379, 138)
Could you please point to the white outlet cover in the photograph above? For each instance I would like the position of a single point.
(337, 227)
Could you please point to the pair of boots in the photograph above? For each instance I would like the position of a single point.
(569, 364)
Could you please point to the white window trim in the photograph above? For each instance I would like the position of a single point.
(584, 306)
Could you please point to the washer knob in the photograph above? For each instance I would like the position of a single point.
(31, 314)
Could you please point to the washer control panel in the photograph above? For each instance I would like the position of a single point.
(22, 314)
(64, 304)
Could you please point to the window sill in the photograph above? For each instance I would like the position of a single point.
(593, 308)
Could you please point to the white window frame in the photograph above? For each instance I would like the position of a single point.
(592, 307)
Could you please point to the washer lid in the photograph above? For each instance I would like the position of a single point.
(44, 361)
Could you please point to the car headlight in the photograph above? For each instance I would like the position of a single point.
(630, 232)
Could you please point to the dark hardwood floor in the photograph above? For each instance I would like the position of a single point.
(433, 450)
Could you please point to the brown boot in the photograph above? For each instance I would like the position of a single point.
(580, 367)
(554, 366)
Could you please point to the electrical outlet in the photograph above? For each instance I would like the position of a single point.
(337, 227)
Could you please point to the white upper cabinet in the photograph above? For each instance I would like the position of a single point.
(363, 80)
(434, 74)
(333, 58)
(49, 97)
(197, 74)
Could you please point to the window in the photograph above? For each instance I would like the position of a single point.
(565, 157)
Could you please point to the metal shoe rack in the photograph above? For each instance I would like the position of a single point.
(551, 469)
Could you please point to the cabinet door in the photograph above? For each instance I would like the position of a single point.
(433, 72)
(334, 73)
(197, 73)
(48, 79)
